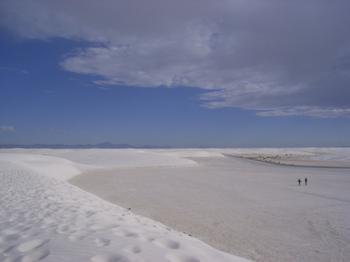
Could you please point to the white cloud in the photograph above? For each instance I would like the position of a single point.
(307, 111)
(7, 128)
(253, 54)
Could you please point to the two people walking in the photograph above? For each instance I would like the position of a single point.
(305, 181)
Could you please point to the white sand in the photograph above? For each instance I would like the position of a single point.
(44, 218)
(249, 208)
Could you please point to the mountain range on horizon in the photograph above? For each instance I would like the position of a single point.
(109, 145)
(72, 146)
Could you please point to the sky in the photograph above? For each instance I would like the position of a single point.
(183, 73)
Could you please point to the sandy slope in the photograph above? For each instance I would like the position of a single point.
(42, 217)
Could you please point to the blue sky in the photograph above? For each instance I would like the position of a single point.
(88, 86)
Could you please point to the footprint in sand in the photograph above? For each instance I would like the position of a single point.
(168, 243)
(149, 239)
(102, 242)
(110, 258)
(131, 234)
(31, 245)
(6, 249)
(12, 259)
(36, 255)
(12, 237)
(78, 236)
(89, 213)
(63, 229)
(31, 235)
(134, 249)
(98, 227)
(125, 233)
(181, 258)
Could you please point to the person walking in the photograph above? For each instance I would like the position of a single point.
(299, 181)
(305, 181)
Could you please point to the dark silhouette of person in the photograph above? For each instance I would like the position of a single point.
(299, 181)
(305, 181)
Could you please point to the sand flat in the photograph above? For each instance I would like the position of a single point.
(252, 209)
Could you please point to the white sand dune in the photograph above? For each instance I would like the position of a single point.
(110, 158)
(44, 218)
(313, 157)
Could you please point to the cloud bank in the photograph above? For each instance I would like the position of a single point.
(280, 58)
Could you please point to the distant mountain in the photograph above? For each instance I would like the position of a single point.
(64, 146)
(111, 145)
